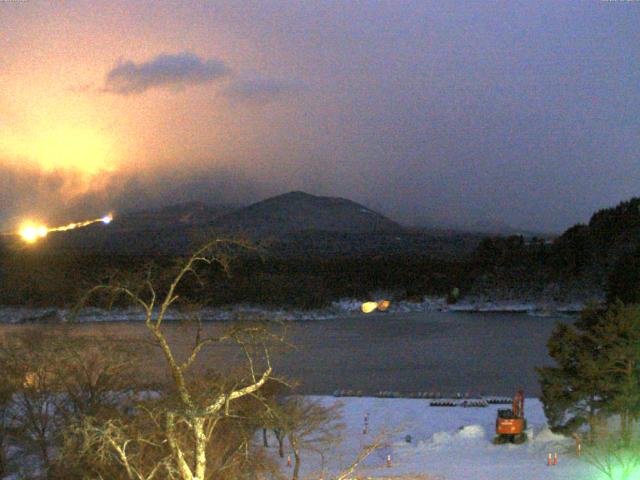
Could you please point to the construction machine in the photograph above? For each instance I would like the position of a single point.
(510, 423)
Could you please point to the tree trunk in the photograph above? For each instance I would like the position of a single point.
(183, 468)
(44, 451)
(280, 437)
(201, 443)
(3, 461)
(296, 457)
(603, 428)
(591, 419)
(265, 441)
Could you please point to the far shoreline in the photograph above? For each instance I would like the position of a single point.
(345, 308)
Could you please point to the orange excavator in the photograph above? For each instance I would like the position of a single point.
(510, 423)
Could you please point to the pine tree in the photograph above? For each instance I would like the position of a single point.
(623, 283)
(572, 390)
(597, 372)
(618, 338)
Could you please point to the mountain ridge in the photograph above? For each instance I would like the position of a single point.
(298, 211)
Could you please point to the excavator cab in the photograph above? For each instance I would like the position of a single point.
(510, 423)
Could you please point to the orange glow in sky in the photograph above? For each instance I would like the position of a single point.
(79, 149)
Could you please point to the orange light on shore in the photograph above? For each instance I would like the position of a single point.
(383, 305)
(368, 307)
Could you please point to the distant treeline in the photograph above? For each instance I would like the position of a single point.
(29, 278)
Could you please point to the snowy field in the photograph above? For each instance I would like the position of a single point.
(452, 443)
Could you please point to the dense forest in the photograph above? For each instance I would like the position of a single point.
(575, 266)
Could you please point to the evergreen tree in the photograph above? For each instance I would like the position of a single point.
(624, 280)
(618, 336)
(597, 372)
(572, 390)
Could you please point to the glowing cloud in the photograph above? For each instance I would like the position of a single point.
(79, 149)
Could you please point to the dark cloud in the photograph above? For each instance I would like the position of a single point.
(165, 70)
(262, 89)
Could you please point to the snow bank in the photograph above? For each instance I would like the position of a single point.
(466, 434)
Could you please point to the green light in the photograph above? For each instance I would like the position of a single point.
(622, 473)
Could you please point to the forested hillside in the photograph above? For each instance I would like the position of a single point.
(575, 266)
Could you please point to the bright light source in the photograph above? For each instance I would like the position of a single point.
(383, 305)
(369, 307)
(30, 232)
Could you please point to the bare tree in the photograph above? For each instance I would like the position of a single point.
(29, 367)
(7, 391)
(50, 378)
(187, 419)
(377, 443)
(307, 425)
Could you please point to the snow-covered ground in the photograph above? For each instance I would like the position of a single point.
(337, 309)
(452, 443)
(431, 443)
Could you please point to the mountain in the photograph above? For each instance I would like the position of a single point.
(182, 214)
(296, 222)
(498, 228)
(296, 212)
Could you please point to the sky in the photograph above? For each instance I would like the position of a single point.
(433, 112)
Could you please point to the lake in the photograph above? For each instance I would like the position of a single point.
(446, 352)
